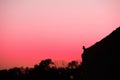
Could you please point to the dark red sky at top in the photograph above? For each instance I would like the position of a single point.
(32, 30)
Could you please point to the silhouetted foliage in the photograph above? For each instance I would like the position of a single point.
(45, 70)
(73, 64)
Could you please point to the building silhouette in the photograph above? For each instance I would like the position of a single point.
(101, 61)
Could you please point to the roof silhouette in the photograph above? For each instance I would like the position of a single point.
(101, 61)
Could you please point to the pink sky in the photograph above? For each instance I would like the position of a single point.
(32, 30)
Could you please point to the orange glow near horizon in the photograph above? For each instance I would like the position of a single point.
(32, 30)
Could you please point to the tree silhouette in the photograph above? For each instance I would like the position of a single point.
(73, 64)
(45, 64)
(43, 71)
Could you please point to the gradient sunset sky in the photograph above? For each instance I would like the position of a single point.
(32, 30)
